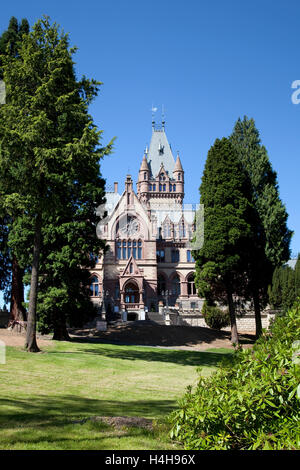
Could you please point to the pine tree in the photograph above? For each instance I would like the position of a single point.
(225, 194)
(272, 240)
(49, 144)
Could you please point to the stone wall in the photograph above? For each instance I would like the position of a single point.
(245, 323)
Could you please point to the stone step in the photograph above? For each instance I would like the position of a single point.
(156, 317)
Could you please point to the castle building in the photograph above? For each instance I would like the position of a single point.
(149, 261)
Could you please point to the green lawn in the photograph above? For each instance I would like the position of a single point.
(44, 396)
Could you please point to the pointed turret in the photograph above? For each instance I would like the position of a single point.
(178, 165)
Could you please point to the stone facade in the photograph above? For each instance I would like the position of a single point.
(148, 232)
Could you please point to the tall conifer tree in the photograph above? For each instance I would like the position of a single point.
(10, 42)
(221, 262)
(49, 143)
(270, 247)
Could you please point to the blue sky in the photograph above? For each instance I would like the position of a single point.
(207, 62)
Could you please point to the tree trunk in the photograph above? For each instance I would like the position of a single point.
(31, 344)
(17, 310)
(60, 329)
(234, 333)
(258, 324)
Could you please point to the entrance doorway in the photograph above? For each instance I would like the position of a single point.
(132, 295)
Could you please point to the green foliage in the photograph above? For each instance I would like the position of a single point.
(50, 166)
(250, 403)
(215, 317)
(285, 288)
(226, 197)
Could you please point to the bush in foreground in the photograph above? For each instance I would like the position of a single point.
(250, 403)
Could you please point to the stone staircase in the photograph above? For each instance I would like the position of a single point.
(156, 318)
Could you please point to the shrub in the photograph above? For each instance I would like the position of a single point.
(250, 403)
(215, 317)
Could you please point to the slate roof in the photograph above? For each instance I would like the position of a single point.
(160, 152)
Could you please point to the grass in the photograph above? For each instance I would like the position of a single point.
(48, 400)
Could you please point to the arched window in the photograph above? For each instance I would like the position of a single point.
(179, 176)
(132, 295)
(176, 285)
(191, 285)
(94, 286)
(145, 175)
(167, 230)
(161, 284)
(182, 230)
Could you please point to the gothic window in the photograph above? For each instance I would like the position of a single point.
(131, 293)
(189, 257)
(161, 284)
(164, 187)
(124, 249)
(182, 230)
(150, 187)
(174, 188)
(160, 256)
(160, 187)
(139, 249)
(131, 268)
(171, 188)
(175, 256)
(94, 286)
(154, 187)
(134, 249)
(167, 230)
(145, 175)
(128, 249)
(191, 285)
(119, 244)
(176, 285)
(179, 176)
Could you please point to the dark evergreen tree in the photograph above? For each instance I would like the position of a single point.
(221, 262)
(49, 144)
(270, 247)
(10, 42)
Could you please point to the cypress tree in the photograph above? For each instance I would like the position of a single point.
(272, 236)
(221, 262)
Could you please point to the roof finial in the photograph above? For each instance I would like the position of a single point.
(163, 117)
(153, 111)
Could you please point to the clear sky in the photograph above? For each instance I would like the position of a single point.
(207, 62)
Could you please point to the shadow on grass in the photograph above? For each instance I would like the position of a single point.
(69, 408)
(190, 358)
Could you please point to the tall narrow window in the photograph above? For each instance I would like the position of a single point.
(175, 256)
(134, 249)
(94, 286)
(191, 285)
(124, 250)
(139, 249)
(128, 248)
(118, 249)
(176, 285)
(160, 256)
